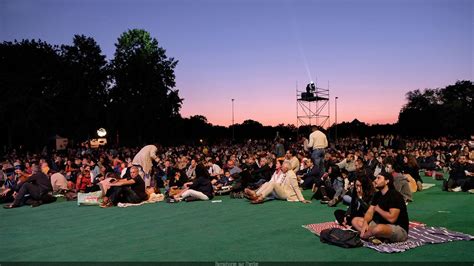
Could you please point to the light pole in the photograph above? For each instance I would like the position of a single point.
(233, 128)
(335, 120)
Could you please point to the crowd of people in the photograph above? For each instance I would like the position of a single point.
(375, 177)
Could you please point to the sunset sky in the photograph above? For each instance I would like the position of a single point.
(257, 51)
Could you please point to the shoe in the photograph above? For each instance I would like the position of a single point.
(457, 189)
(471, 191)
(10, 206)
(333, 202)
(325, 200)
(189, 199)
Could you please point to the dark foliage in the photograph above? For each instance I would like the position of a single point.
(72, 90)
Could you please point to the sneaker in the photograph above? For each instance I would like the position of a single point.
(189, 199)
(457, 189)
(325, 200)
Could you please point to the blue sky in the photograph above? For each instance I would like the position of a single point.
(257, 52)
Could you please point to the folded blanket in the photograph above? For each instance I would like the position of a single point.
(317, 228)
(418, 235)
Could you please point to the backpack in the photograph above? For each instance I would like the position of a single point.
(341, 238)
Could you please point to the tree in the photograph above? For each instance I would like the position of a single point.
(439, 112)
(142, 92)
(29, 80)
(82, 97)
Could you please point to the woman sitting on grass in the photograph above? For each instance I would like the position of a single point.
(199, 189)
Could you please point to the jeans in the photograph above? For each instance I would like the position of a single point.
(338, 186)
(317, 157)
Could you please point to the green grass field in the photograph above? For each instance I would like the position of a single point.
(232, 230)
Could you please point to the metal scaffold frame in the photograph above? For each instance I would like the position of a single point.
(313, 109)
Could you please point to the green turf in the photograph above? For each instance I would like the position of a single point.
(232, 230)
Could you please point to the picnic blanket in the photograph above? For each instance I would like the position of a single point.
(153, 199)
(428, 185)
(418, 235)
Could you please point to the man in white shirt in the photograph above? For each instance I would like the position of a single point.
(318, 142)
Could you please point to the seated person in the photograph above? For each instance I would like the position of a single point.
(263, 173)
(286, 188)
(176, 183)
(199, 189)
(308, 174)
(83, 181)
(6, 194)
(222, 181)
(338, 179)
(358, 200)
(58, 181)
(126, 190)
(459, 174)
(37, 186)
(387, 216)
(400, 181)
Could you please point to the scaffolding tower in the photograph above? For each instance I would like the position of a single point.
(312, 106)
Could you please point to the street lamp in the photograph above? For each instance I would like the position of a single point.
(335, 106)
(233, 127)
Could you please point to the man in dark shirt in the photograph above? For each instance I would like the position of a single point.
(37, 186)
(127, 190)
(460, 174)
(387, 216)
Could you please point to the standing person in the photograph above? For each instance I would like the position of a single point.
(318, 142)
(144, 159)
(387, 216)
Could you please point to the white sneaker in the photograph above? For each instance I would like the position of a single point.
(457, 189)
(471, 191)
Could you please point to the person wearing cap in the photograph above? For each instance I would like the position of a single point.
(37, 186)
(387, 216)
(6, 195)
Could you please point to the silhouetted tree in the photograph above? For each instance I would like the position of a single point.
(29, 81)
(439, 112)
(82, 98)
(142, 92)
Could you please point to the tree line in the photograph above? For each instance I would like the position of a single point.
(72, 90)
